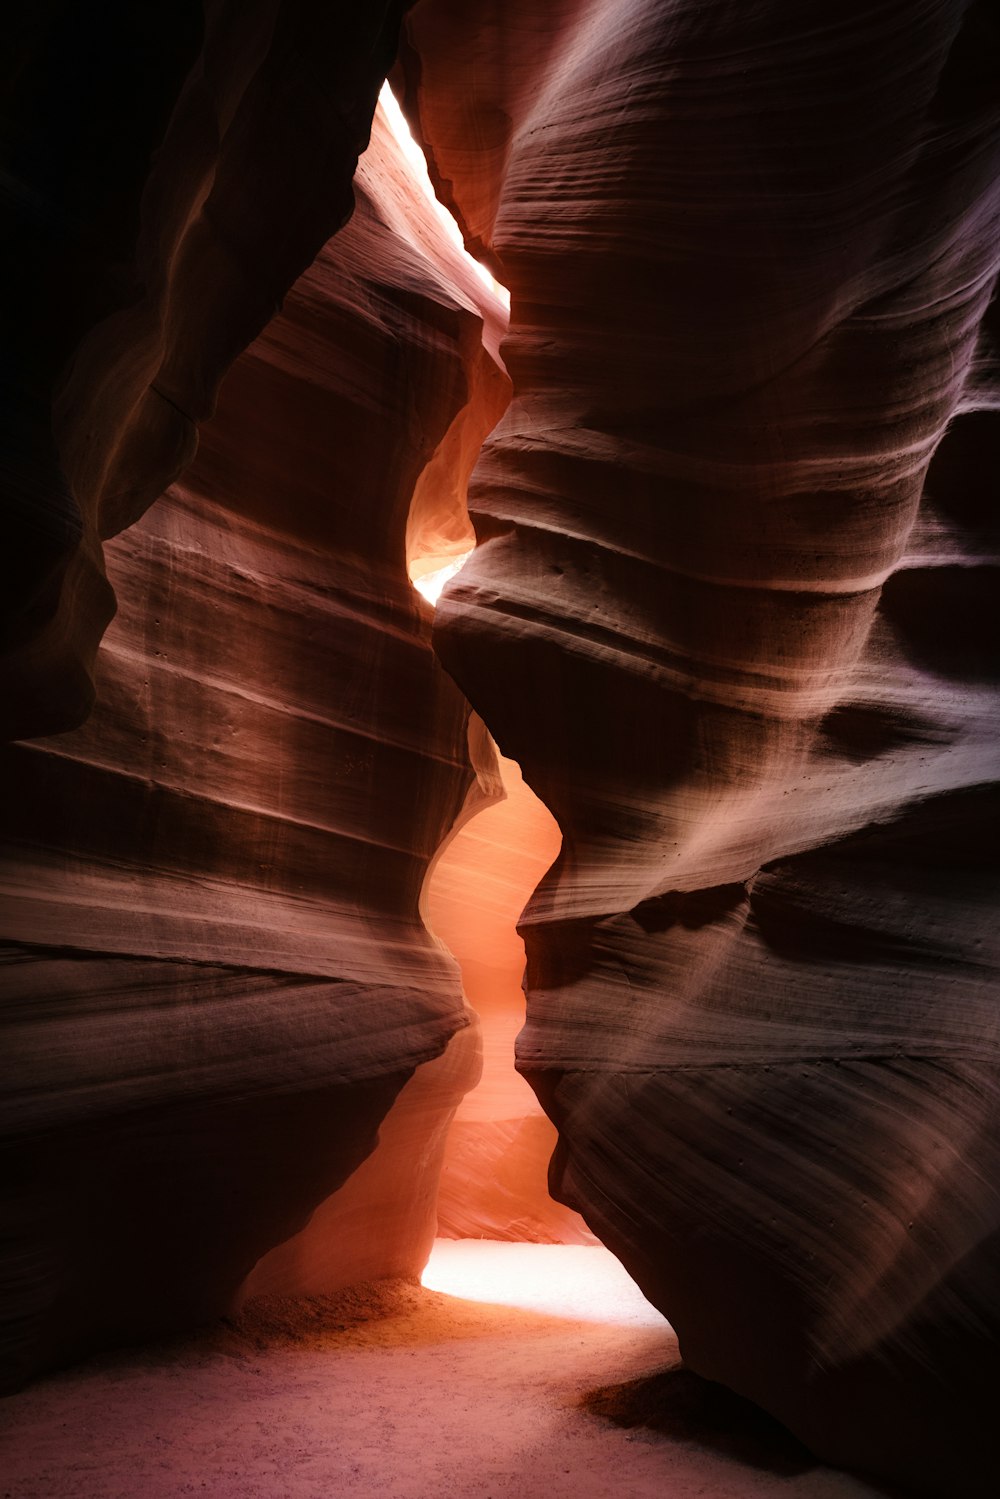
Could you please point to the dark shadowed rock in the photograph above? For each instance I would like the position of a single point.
(731, 619)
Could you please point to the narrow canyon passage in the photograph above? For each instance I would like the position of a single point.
(494, 1176)
(699, 744)
(494, 1173)
(473, 1384)
(509, 1388)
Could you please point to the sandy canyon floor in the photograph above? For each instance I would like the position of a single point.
(516, 1372)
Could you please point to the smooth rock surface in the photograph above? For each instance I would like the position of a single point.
(169, 170)
(494, 1179)
(733, 611)
(216, 975)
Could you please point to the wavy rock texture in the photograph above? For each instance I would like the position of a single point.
(733, 612)
(216, 975)
(495, 1167)
(169, 170)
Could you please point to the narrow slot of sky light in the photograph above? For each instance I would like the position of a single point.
(415, 157)
(431, 584)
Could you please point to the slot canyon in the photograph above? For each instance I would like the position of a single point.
(621, 918)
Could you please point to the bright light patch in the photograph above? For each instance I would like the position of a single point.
(578, 1282)
(431, 584)
(396, 121)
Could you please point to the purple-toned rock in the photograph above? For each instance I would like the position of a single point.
(733, 612)
(216, 974)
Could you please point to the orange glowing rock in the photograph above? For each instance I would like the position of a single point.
(494, 1181)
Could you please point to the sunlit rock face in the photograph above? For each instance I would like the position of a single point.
(169, 171)
(494, 1179)
(733, 612)
(217, 978)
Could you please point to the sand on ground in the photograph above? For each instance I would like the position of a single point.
(540, 1373)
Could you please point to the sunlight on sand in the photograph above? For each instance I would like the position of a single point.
(579, 1282)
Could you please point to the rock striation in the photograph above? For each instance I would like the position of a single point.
(733, 612)
(169, 170)
(216, 976)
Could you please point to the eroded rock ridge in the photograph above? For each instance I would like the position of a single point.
(733, 612)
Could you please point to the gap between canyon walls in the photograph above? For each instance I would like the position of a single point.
(494, 1176)
(382, 1220)
(218, 984)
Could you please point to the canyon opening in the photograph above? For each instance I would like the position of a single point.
(678, 780)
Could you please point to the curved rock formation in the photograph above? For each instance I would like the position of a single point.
(169, 170)
(734, 630)
(494, 1176)
(731, 612)
(216, 976)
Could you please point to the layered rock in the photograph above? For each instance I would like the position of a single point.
(734, 629)
(217, 979)
(168, 172)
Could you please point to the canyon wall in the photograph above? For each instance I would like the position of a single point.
(733, 610)
(494, 1176)
(216, 975)
(169, 170)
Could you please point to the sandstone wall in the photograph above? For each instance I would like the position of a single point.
(733, 612)
(217, 978)
(170, 169)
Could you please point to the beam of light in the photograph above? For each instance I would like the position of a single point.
(396, 121)
(578, 1282)
(431, 584)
